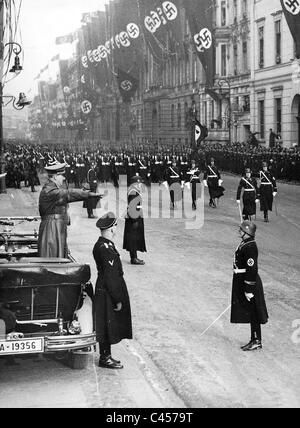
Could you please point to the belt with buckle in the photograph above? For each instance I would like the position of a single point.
(237, 271)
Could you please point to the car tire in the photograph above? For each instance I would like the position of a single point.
(79, 360)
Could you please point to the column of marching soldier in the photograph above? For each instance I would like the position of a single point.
(182, 168)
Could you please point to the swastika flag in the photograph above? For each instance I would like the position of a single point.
(201, 132)
(200, 19)
(128, 85)
(291, 9)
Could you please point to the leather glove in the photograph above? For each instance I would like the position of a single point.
(95, 195)
(205, 183)
(220, 182)
(274, 194)
(118, 307)
(249, 296)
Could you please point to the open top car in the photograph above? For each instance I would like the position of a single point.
(41, 299)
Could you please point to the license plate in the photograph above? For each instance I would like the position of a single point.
(22, 346)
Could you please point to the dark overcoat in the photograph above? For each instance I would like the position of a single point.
(92, 203)
(53, 207)
(267, 187)
(247, 280)
(111, 326)
(250, 194)
(134, 232)
(212, 176)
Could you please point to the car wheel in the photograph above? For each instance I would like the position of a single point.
(79, 360)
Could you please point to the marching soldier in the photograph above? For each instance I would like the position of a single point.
(175, 181)
(134, 232)
(117, 166)
(91, 203)
(131, 169)
(250, 195)
(143, 169)
(268, 190)
(111, 302)
(193, 180)
(212, 180)
(248, 301)
(106, 170)
(184, 165)
(157, 169)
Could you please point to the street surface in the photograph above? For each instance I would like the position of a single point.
(183, 288)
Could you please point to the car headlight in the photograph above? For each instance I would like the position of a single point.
(75, 327)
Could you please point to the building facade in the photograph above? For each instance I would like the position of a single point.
(256, 86)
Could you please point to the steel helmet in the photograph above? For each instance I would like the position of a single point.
(249, 228)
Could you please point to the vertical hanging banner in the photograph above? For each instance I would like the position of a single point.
(158, 18)
(128, 49)
(201, 132)
(128, 85)
(291, 9)
(200, 19)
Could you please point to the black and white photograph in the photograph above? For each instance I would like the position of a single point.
(149, 207)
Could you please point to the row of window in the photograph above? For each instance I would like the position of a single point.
(261, 42)
(262, 114)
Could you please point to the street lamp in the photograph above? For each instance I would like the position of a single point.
(19, 105)
(222, 82)
(17, 50)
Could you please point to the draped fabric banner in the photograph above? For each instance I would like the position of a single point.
(64, 73)
(200, 17)
(128, 53)
(158, 19)
(291, 9)
(128, 85)
(201, 132)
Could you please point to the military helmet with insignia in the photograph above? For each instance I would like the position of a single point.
(248, 170)
(248, 227)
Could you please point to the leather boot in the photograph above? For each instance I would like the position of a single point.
(109, 363)
(137, 262)
(253, 346)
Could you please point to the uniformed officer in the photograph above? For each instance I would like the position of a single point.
(212, 179)
(111, 302)
(175, 180)
(53, 207)
(248, 185)
(134, 232)
(143, 169)
(91, 203)
(268, 190)
(248, 301)
(193, 180)
(131, 169)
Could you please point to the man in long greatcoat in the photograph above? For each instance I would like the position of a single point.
(134, 232)
(268, 190)
(53, 207)
(248, 185)
(212, 179)
(91, 203)
(111, 302)
(248, 301)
